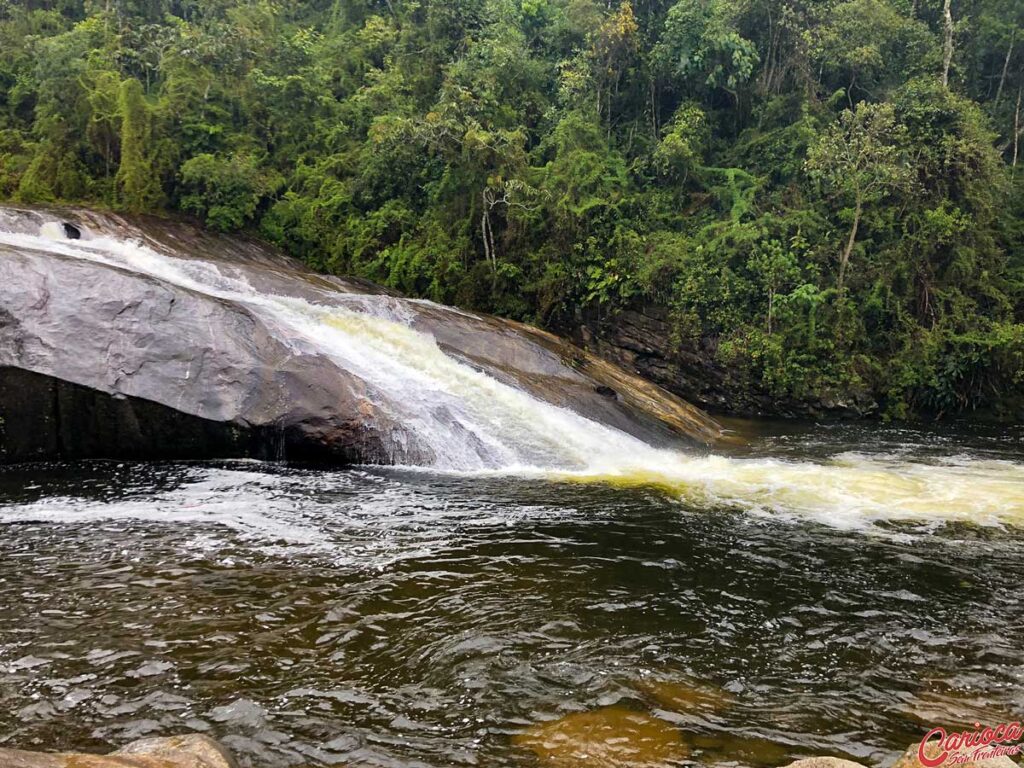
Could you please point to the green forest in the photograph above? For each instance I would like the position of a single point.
(830, 193)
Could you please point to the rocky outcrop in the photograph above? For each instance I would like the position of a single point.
(642, 341)
(117, 356)
(189, 751)
(559, 372)
(97, 360)
(47, 417)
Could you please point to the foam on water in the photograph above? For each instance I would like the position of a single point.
(848, 491)
(358, 517)
(255, 505)
(474, 423)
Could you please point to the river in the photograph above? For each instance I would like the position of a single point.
(410, 617)
(813, 589)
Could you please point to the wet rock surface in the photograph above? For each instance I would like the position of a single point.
(97, 360)
(187, 751)
(642, 341)
(824, 762)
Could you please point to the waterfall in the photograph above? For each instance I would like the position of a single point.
(467, 419)
(473, 423)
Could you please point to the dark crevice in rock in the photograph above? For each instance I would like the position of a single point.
(44, 419)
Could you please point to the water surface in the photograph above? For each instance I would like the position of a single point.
(388, 617)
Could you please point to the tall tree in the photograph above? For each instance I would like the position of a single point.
(860, 161)
(138, 184)
(947, 46)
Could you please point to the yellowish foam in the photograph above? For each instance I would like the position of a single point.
(847, 491)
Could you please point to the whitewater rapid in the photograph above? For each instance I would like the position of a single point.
(476, 424)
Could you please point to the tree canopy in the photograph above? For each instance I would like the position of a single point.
(827, 193)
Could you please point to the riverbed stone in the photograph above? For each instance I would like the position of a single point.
(185, 751)
(687, 696)
(824, 762)
(611, 737)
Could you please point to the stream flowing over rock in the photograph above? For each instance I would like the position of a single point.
(147, 338)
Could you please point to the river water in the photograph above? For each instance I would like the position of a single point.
(398, 617)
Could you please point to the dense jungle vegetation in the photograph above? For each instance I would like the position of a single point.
(827, 190)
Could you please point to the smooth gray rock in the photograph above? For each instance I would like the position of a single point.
(100, 361)
(117, 356)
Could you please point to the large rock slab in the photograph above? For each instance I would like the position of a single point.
(136, 343)
(99, 360)
(188, 751)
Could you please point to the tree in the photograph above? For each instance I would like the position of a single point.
(138, 184)
(776, 268)
(683, 144)
(613, 50)
(866, 47)
(225, 191)
(701, 45)
(947, 45)
(860, 161)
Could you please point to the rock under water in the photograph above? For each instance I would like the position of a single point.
(612, 737)
(147, 338)
(187, 751)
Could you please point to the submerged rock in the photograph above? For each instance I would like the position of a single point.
(188, 751)
(121, 359)
(612, 737)
(687, 697)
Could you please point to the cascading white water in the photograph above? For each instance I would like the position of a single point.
(468, 420)
(474, 423)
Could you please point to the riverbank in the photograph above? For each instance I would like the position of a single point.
(645, 339)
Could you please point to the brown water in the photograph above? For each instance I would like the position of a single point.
(399, 618)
